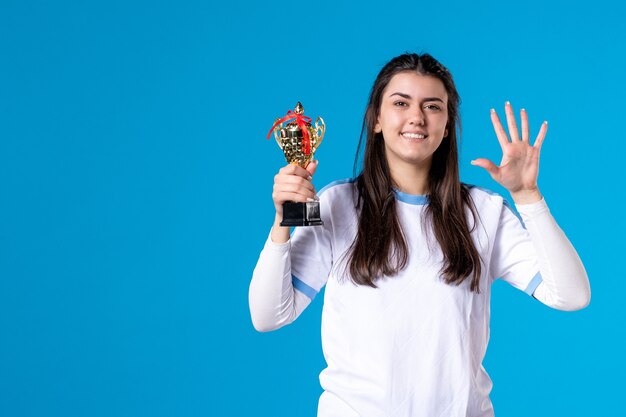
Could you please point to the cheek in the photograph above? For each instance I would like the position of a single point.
(442, 125)
(390, 122)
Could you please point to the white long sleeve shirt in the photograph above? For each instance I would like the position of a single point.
(413, 346)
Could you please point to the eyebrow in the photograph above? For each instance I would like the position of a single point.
(408, 97)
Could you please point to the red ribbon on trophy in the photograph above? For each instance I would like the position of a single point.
(302, 122)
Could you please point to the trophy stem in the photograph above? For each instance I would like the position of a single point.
(301, 214)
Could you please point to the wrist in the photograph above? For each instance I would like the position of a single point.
(279, 234)
(526, 196)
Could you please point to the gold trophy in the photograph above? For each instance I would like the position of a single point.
(299, 141)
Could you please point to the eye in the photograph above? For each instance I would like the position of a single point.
(400, 103)
(432, 107)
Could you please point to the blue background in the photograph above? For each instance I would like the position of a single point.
(135, 192)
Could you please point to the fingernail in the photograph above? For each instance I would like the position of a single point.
(309, 178)
(508, 103)
(310, 200)
(546, 122)
(523, 110)
(493, 110)
(473, 162)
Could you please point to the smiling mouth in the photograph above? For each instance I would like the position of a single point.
(414, 136)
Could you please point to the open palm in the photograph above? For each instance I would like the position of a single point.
(519, 167)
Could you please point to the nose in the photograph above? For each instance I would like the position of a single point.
(417, 117)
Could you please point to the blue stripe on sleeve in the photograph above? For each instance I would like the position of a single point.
(508, 205)
(534, 283)
(504, 201)
(299, 285)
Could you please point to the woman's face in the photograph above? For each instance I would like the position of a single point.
(413, 118)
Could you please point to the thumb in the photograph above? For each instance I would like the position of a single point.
(485, 163)
(312, 167)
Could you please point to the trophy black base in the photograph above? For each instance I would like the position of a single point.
(301, 214)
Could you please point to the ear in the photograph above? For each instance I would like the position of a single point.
(445, 133)
(377, 128)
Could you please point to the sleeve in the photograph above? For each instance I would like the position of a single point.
(565, 285)
(311, 257)
(288, 276)
(514, 258)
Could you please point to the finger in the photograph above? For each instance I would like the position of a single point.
(282, 197)
(525, 132)
(285, 188)
(542, 134)
(295, 169)
(294, 189)
(489, 166)
(292, 182)
(510, 120)
(497, 127)
(312, 167)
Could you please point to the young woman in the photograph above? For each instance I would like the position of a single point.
(408, 254)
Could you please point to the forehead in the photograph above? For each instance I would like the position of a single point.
(416, 85)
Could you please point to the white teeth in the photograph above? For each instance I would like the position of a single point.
(413, 135)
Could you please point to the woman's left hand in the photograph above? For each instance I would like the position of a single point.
(519, 167)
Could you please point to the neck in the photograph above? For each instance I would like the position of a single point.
(411, 179)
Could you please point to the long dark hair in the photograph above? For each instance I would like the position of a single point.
(379, 248)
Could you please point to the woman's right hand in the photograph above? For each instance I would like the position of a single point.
(292, 183)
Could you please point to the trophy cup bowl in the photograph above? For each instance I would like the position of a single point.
(299, 140)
